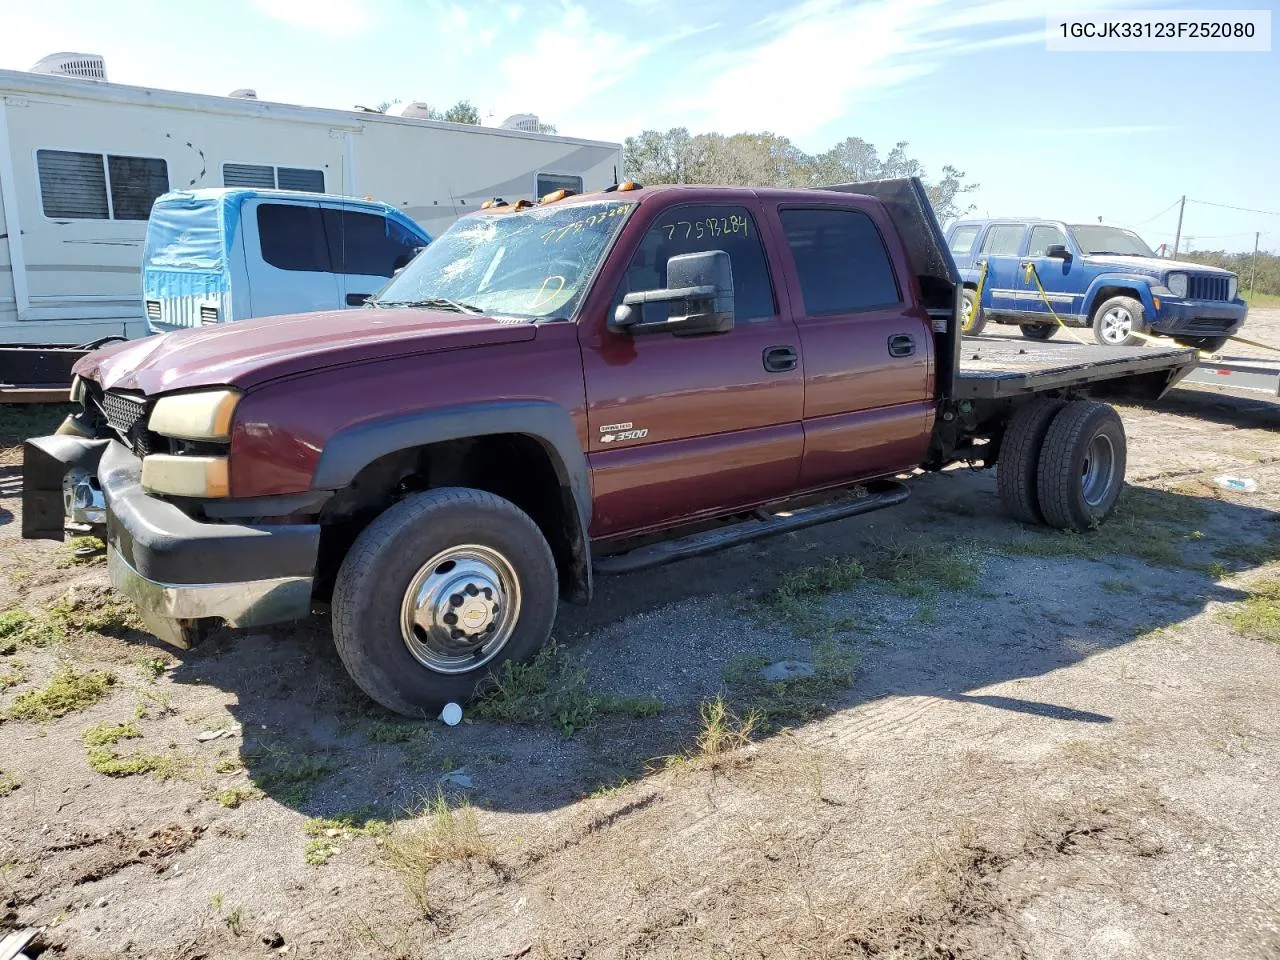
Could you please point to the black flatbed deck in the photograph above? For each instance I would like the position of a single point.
(993, 368)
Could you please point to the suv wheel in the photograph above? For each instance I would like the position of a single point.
(1117, 320)
(972, 317)
(437, 593)
(1082, 464)
(1038, 331)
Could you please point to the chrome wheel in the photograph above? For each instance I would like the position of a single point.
(460, 609)
(1116, 325)
(1098, 472)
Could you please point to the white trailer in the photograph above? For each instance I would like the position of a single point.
(82, 160)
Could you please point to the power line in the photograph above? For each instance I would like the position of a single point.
(1227, 206)
(1156, 217)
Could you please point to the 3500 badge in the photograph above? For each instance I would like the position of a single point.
(613, 432)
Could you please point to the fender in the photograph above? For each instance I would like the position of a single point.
(1141, 282)
(353, 448)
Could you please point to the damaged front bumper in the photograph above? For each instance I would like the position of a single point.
(182, 573)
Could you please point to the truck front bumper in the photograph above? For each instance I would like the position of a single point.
(1198, 318)
(180, 572)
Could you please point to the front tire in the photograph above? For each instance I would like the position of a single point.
(972, 317)
(437, 593)
(1116, 321)
(1082, 465)
(1038, 331)
(1205, 344)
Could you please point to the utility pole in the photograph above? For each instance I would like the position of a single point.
(1253, 274)
(1177, 237)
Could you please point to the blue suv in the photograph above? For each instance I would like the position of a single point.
(1095, 276)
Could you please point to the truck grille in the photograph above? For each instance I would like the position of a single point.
(127, 415)
(1208, 288)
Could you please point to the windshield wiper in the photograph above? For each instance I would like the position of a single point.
(431, 303)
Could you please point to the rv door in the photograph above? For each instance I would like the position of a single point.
(373, 247)
(288, 257)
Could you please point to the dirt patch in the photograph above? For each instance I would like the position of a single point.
(998, 743)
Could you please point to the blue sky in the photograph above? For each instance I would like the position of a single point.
(1070, 135)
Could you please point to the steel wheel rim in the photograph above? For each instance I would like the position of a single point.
(1117, 324)
(966, 315)
(1097, 473)
(460, 609)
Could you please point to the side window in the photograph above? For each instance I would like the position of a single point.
(1003, 240)
(1043, 237)
(550, 182)
(135, 184)
(962, 239)
(694, 228)
(72, 185)
(373, 245)
(841, 261)
(293, 237)
(248, 175)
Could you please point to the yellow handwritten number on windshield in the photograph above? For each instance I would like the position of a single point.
(545, 295)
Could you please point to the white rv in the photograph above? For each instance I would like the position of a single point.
(81, 161)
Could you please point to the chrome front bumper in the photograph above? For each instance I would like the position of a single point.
(169, 610)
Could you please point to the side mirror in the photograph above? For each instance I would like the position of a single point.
(1057, 251)
(700, 291)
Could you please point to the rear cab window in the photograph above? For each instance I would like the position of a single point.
(962, 238)
(841, 261)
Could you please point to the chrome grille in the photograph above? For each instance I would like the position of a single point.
(127, 414)
(1208, 288)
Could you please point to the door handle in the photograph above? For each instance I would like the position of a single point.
(780, 359)
(902, 345)
(357, 299)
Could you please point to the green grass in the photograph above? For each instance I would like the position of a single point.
(22, 630)
(392, 732)
(109, 734)
(1258, 617)
(111, 764)
(8, 784)
(1118, 586)
(787, 702)
(67, 553)
(233, 797)
(1260, 300)
(1244, 556)
(66, 692)
(20, 421)
(13, 675)
(109, 615)
(549, 689)
(642, 708)
(290, 778)
(151, 668)
(444, 834)
(922, 569)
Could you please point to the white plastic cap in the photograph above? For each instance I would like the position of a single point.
(451, 714)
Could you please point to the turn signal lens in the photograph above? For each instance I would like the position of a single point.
(186, 476)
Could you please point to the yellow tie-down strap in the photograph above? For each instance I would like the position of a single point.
(1033, 274)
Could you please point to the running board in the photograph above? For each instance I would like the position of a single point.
(668, 551)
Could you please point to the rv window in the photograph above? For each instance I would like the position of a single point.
(135, 184)
(551, 182)
(72, 185)
(371, 245)
(248, 175)
(292, 178)
(293, 237)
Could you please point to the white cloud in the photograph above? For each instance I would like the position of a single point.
(337, 18)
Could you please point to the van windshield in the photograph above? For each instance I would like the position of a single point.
(1112, 240)
(533, 263)
(184, 235)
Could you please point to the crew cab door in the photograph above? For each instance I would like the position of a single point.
(287, 257)
(371, 247)
(868, 350)
(1064, 280)
(1001, 245)
(686, 427)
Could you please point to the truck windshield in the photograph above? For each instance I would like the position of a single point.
(532, 263)
(1112, 240)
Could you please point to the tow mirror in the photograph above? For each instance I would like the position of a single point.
(699, 290)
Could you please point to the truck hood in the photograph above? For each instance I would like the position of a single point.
(250, 352)
(1154, 266)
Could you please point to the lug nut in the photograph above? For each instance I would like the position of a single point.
(472, 590)
(488, 594)
(455, 600)
(456, 634)
(451, 618)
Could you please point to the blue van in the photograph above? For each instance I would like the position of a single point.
(1104, 278)
(218, 255)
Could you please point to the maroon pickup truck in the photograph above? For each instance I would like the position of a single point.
(588, 384)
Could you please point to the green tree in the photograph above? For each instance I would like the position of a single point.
(462, 112)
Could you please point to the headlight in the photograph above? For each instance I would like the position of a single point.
(1233, 287)
(77, 389)
(1177, 284)
(195, 416)
(186, 476)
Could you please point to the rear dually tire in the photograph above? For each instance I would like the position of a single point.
(1082, 465)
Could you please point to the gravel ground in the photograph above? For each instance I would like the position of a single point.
(1018, 745)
